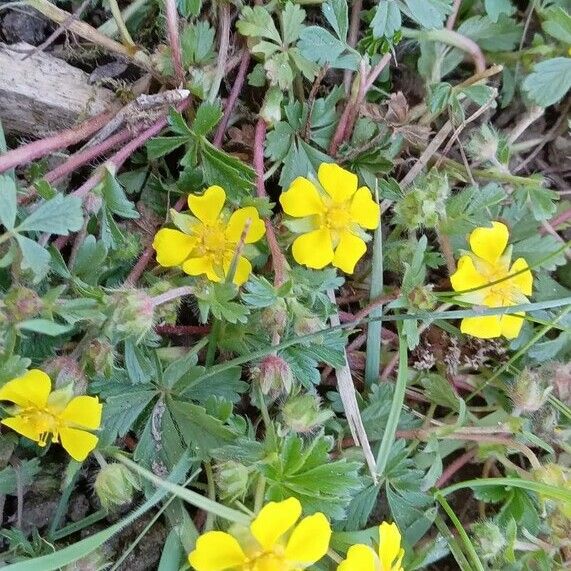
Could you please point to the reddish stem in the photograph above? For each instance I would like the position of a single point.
(182, 329)
(174, 40)
(278, 259)
(453, 15)
(233, 97)
(77, 160)
(352, 38)
(558, 220)
(453, 467)
(37, 149)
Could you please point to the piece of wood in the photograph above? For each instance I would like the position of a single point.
(41, 94)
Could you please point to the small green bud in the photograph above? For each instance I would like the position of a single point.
(274, 375)
(274, 318)
(528, 392)
(115, 485)
(423, 298)
(302, 413)
(22, 303)
(232, 480)
(271, 111)
(488, 540)
(99, 357)
(133, 314)
(484, 144)
(64, 370)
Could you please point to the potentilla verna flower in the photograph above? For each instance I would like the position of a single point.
(334, 214)
(388, 558)
(273, 542)
(206, 243)
(40, 413)
(489, 261)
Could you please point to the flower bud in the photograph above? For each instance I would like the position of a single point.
(99, 357)
(271, 111)
(232, 480)
(22, 303)
(274, 375)
(488, 539)
(423, 298)
(274, 318)
(133, 313)
(483, 144)
(528, 392)
(66, 370)
(115, 485)
(302, 413)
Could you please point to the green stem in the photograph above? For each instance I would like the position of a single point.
(79, 525)
(396, 406)
(213, 342)
(260, 493)
(118, 17)
(187, 495)
(461, 532)
(209, 524)
(452, 544)
(374, 330)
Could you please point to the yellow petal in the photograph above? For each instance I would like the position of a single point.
(216, 551)
(489, 243)
(389, 545)
(485, 327)
(77, 443)
(31, 389)
(301, 199)
(172, 247)
(207, 207)
(512, 324)
(523, 281)
(466, 276)
(338, 183)
(348, 252)
(22, 426)
(364, 210)
(199, 266)
(275, 519)
(313, 249)
(359, 558)
(309, 541)
(243, 269)
(83, 412)
(237, 222)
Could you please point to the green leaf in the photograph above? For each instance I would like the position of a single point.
(197, 427)
(8, 201)
(387, 20)
(495, 8)
(122, 410)
(439, 96)
(278, 141)
(541, 201)
(89, 260)
(322, 47)
(336, 13)
(161, 146)
(178, 124)
(207, 117)
(429, 13)
(189, 8)
(34, 257)
(536, 248)
(279, 71)
(549, 82)
(115, 198)
(45, 327)
(60, 215)
(197, 43)
(292, 22)
(558, 24)
(415, 272)
(503, 35)
(23, 475)
(257, 22)
(479, 94)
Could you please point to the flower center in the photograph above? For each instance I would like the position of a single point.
(337, 217)
(500, 294)
(42, 422)
(269, 562)
(211, 240)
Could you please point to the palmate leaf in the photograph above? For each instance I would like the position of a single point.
(60, 215)
(305, 471)
(549, 81)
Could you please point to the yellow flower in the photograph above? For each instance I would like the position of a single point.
(488, 262)
(270, 544)
(40, 413)
(209, 239)
(334, 218)
(389, 558)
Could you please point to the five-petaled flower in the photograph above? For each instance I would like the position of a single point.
(389, 557)
(209, 240)
(270, 543)
(488, 262)
(40, 413)
(335, 213)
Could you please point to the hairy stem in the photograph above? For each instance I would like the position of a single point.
(174, 40)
